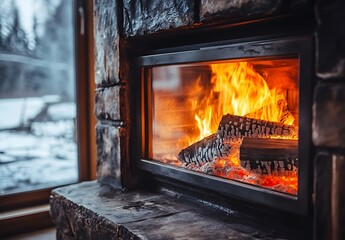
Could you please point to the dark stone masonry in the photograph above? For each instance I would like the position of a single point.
(108, 154)
(330, 37)
(329, 115)
(329, 201)
(104, 109)
(143, 17)
(91, 210)
(243, 9)
(106, 37)
(328, 121)
(110, 95)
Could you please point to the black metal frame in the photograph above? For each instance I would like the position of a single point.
(300, 46)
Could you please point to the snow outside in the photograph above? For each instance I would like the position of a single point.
(38, 147)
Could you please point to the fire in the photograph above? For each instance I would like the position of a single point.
(190, 109)
(287, 184)
(239, 90)
(204, 124)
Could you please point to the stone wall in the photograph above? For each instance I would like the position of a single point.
(241, 10)
(111, 96)
(143, 17)
(328, 120)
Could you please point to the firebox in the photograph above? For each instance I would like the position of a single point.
(231, 117)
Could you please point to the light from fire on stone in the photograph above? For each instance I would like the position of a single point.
(237, 120)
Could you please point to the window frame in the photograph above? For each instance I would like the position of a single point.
(82, 10)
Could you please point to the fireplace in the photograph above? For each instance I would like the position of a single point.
(229, 117)
(152, 52)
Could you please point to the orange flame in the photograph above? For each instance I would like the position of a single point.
(239, 90)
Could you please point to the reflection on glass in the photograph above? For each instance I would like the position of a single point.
(38, 146)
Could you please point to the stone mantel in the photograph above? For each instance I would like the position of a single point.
(91, 210)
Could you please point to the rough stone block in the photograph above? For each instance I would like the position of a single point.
(330, 57)
(74, 221)
(338, 196)
(329, 115)
(242, 9)
(90, 210)
(108, 140)
(329, 196)
(148, 16)
(323, 184)
(108, 103)
(106, 38)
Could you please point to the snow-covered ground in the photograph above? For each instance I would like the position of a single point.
(14, 111)
(44, 157)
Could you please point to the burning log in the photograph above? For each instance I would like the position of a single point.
(229, 136)
(235, 126)
(279, 167)
(204, 150)
(267, 149)
(285, 117)
(267, 156)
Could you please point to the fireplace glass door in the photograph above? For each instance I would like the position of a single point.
(233, 119)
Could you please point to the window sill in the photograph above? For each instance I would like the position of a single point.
(25, 220)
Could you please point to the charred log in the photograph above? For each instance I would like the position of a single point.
(229, 137)
(205, 150)
(285, 117)
(278, 167)
(235, 126)
(258, 149)
(267, 156)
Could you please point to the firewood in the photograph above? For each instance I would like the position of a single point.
(286, 115)
(268, 156)
(275, 167)
(268, 149)
(237, 126)
(230, 133)
(205, 150)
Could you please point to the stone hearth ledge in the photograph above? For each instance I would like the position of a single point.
(90, 210)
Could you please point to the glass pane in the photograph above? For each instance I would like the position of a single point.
(235, 119)
(38, 146)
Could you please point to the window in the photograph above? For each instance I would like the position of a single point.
(44, 123)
